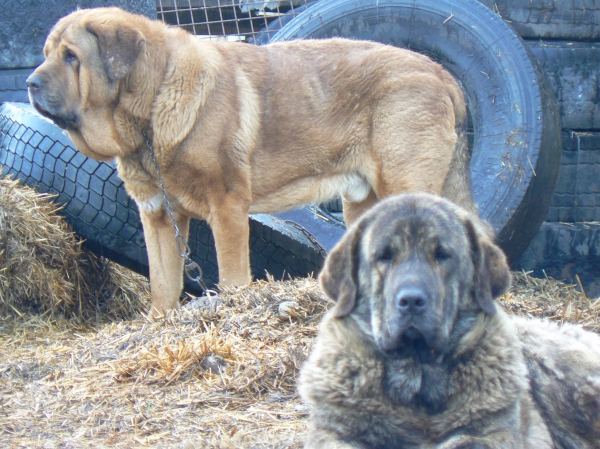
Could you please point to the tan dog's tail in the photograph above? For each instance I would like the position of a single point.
(457, 185)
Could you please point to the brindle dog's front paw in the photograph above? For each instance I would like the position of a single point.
(473, 445)
(465, 442)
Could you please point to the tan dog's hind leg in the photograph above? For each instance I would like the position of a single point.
(166, 265)
(353, 210)
(414, 157)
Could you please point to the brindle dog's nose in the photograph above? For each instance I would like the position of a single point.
(34, 82)
(411, 301)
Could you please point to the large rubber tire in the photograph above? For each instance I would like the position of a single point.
(96, 205)
(517, 142)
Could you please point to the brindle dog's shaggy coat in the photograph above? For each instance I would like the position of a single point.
(415, 354)
(241, 129)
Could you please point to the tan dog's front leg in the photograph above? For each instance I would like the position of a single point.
(231, 230)
(166, 265)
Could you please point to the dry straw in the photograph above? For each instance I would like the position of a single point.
(44, 267)
(219, 373)
(551, 299)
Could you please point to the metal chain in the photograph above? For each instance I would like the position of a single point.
(184, 250)
(309, 236)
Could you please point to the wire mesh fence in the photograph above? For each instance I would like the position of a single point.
(253, 21)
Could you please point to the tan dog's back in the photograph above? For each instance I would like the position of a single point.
(355, 117)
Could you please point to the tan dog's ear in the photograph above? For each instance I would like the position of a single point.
(119, 46)
(339, 277)
(492, 276)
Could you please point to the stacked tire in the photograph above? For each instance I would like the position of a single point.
(564, 35)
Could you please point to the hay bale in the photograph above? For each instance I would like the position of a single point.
(44, 268)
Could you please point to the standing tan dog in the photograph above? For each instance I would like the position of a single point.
(240, 129)
(415, 354)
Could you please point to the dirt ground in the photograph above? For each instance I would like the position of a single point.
(80, 366)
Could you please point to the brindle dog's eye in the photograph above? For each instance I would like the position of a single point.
(386, 255)
(441, 254)
(70, 57)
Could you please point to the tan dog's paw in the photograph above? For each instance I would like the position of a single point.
(155, 314)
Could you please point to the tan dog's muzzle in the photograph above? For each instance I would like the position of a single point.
(48, 100)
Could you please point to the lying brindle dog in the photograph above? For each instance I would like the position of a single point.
(416, 354)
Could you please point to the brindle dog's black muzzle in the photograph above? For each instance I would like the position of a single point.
(410, 322)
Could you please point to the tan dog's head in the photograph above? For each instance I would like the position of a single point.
(414, 272)
(88, 53)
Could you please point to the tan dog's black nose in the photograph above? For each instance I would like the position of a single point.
(411, 301)
(34, 82)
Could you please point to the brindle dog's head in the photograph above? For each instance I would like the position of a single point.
(414, 272)
(88, 53)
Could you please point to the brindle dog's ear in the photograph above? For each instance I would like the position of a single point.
(119, 46)
(339, 275)
(492, 276)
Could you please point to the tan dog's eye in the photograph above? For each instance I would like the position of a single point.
(70, 57)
